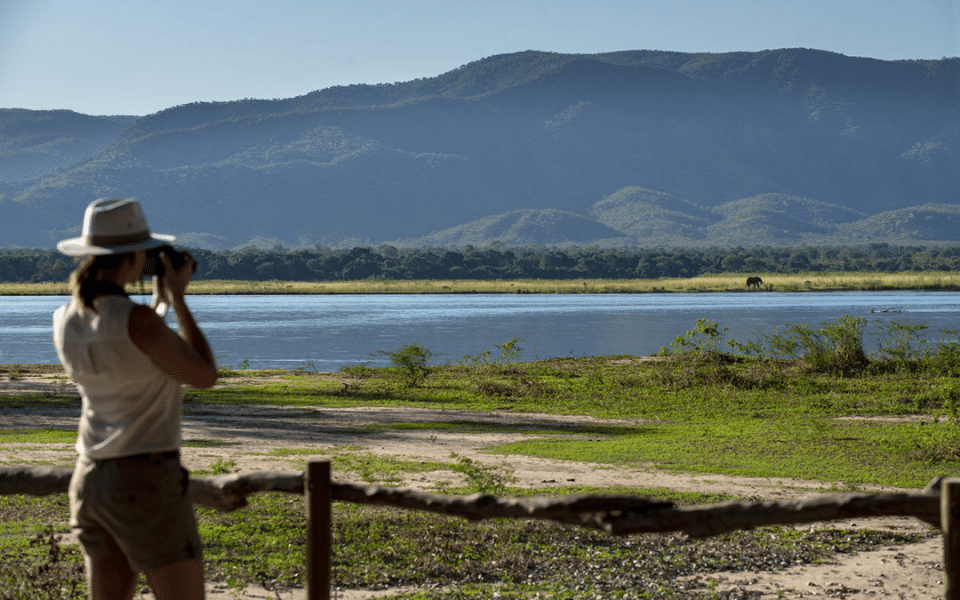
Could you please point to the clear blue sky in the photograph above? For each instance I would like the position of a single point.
(136, 57)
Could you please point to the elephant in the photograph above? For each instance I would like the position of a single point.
(754, 282)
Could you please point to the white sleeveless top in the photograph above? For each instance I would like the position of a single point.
(129, 406)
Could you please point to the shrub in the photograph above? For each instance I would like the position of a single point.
(508, 351)
(412, 361)
(835, 347)
(946, 358)
(705, 337)
(903, 343)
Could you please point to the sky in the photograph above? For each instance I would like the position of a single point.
(136, 57)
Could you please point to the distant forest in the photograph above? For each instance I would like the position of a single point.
(502, 262)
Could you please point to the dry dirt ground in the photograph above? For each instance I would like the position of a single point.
(249, 434)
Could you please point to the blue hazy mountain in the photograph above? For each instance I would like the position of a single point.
(650, 148)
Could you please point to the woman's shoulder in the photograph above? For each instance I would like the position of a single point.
(74, 310)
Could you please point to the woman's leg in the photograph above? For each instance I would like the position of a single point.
(179, 581)
(109, 577)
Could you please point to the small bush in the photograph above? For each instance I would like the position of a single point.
(705, 337)
(903, 343)
(218, 467)
(412, 361)
(945, 359)
(831, 348)
(508, 351)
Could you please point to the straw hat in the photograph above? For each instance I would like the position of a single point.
(113, 226)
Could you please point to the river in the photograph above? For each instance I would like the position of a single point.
(325, 332)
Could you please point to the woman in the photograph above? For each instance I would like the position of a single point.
(128, 496)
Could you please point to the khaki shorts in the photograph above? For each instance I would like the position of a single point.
(140, 508)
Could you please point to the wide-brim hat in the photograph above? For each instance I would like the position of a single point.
(113, 226)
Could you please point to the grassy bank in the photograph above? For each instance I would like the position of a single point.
(755, 418)
(829, 413)
(842, 418)
(727, 282)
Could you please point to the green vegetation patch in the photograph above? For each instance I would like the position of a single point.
(30, 514)
(804, 403)
(381, 469)
(505, 426)
(371, 468)
(379, 547)
(774, 408)
(285, 390)
(38, 436)
(901, 454)
(38, 567)
(206, 443)
(33, 561)
(389, 469)
(28, 400)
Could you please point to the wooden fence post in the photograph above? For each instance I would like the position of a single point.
(319, 498)
(950, 526)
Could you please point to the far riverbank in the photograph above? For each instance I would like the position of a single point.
(726, 282)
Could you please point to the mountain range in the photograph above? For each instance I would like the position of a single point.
(637, 148)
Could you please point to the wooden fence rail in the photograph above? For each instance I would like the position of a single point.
(618, 515)
(938, 504)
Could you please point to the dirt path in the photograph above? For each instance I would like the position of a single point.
(249, 435)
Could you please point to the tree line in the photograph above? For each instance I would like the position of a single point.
(503, 262)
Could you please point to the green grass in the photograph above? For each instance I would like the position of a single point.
(753, 417)
(380, 469)
(371, 468)
(377, 547)
(33, 562)
(890, 420)
(206, 443)
(852, 453)
(38, 436)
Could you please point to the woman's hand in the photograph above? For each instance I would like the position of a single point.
(173, 285)
(159, 303)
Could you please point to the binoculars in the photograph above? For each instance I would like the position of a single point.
(154, 266)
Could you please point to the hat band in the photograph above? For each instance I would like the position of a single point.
(118, 240)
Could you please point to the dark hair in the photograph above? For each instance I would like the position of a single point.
(83, 279)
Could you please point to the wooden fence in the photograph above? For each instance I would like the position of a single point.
(938, 504)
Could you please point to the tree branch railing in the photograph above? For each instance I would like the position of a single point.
(938, 505)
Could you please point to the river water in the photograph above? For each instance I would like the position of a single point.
(325, 332)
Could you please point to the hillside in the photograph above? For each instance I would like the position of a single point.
(36, 143)
(649, 148)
